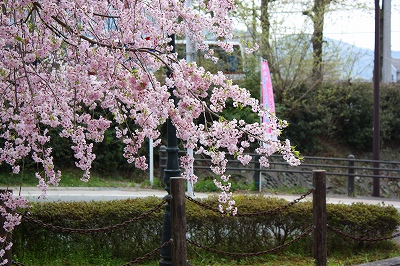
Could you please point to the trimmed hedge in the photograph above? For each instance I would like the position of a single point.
(235, 234)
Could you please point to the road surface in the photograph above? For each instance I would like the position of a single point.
(101, 193)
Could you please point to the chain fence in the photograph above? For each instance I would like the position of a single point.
(269, 212)
(199, 245)
(261, 213)
(276, 211)
(252, 254)
(103, 230)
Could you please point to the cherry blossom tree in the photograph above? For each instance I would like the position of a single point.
(61, 60)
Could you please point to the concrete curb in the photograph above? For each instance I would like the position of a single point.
(388, 262)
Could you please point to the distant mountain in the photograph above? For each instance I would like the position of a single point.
(358, 63)
(363, 64)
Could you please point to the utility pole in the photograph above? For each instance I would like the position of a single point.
(386, 42)
(376, 136)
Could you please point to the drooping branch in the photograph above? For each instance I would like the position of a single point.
(152, 51)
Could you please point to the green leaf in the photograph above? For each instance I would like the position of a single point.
(18, 38)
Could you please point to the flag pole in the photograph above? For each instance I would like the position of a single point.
(267, 100)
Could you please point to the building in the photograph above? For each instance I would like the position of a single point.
(395, 69)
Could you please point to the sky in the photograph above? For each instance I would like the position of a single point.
(355, 27)
(358, 27)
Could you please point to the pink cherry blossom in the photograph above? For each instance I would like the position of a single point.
(60, 60)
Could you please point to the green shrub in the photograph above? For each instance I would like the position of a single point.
(126, 242)
(339, 113)
(235, 234)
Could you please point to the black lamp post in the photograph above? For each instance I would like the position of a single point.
(171, 170)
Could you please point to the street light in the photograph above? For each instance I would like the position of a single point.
(171, 170)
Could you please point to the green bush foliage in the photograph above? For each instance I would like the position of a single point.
(340, 113)
(235, 234)
(126, 242)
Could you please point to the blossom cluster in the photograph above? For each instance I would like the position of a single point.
(62, 60)
(11, 219)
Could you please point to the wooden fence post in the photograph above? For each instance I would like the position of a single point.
(8, 253)
(178, 220)
(319, 218)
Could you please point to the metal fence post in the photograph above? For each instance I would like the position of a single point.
(350, 178)
(178, 219)
(162, 159)
(4, 234)
(319, 218)
(257, 173)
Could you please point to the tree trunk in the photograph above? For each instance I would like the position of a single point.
(265, 26)
(266, 49)
(317, 15)
(254, 21)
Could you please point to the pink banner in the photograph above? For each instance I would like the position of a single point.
(267, 94)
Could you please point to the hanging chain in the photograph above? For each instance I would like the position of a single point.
(94, 230)
(253, 254)
(17, 263)
(203, 205)
(359, 238)
(269, 212)
(279, 209)
(147, 255)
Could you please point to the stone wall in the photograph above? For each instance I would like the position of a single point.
(335, 185)
(289, 181)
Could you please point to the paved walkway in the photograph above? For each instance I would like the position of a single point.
(388, 262)
(101, 193)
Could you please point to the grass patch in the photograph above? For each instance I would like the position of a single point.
(69, 178)
(157, 184)
(280, 259)
(207, 185)
(76, 259)
(288, 260)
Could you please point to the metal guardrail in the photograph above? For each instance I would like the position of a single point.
(337, 166)
(349, 167)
